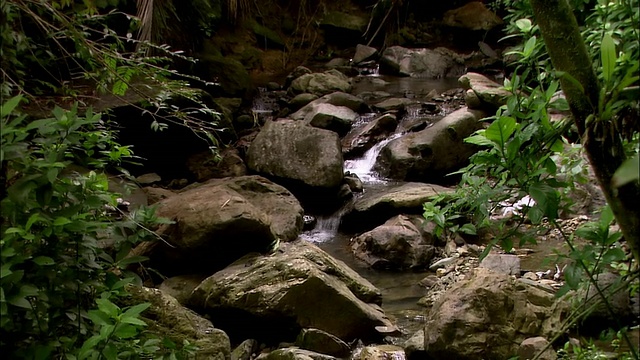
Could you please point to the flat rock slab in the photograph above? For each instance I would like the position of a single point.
(502, 263)
(375, 207)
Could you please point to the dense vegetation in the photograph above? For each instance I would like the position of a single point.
(529, 154)
(65, 239)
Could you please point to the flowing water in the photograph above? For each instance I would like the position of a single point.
(363, 167)
(400, 290)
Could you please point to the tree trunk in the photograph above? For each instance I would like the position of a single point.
(604, 147)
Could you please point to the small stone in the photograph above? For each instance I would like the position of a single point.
(148, 179)
(440, 272)
(531, 347)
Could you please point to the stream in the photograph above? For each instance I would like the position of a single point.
(400, 290)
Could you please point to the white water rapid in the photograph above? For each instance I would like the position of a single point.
(363, 167)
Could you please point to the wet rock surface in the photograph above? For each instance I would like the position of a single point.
(299, 286)
(398, 244)
(293, 150)
(377, 206)
(221, 220)
(432, 153)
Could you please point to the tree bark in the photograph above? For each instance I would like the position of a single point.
(603, 146)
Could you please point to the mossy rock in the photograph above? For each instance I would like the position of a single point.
(168, 319)
(230, 74)
(266, 37)
(343, 20)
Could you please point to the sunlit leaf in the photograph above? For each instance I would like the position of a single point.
(501, 129)
(627, 172)
(8, 107)
(524, 25)
(608, 56)
(529, 46)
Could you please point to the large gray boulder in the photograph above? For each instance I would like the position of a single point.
(491, 94)
(599, 316)
(338, 119)
(218, 222)
(166, 318)
(292, 150)
(427, 63)
(398, 244)
(337, 98)
(299, 286)
(364, 53)
(488, 316)
(321, 83)
(377, 205)
(434, 152)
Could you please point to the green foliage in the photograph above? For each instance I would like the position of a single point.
(446, 219)
(590, 351)
(527, 153)
(63, 48)
(601, 251)
(64, 244)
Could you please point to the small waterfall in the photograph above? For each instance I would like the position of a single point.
(263, 106)
(326, 227)
(363, 167)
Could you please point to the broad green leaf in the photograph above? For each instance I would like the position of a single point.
(88, 346)
(606, 217)
(479, 139)
(29, 290)
(524, 25)
(529, 46)
(110, 352)
(98, 317)
(5, 270)
(32, 219)
(61, 221)
(614, 254)
(13, 230)
(8, 107)
(501, 129)
(8, 252)
(19, 301)
(133, 321)
(108, 307)
(573, 275)
(44, 261)
(616, 236)
(546, 198)
(589, 232)
(627, 172)
(608, 57)
(136, 309)
(126, 331)
(535, 214)
(468, 229)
